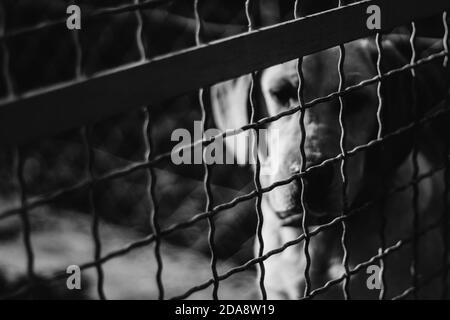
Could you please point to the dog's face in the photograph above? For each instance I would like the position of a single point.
(279, 85)
(278, 92)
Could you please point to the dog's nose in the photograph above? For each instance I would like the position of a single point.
(318, 182)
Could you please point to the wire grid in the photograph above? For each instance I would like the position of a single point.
(211, 211)
(379, 44)
(151, 176)
(301, 100)
(19, 163)
(207, 168)
(342, 124)
(446, 177)
(249, 12)
(415, 164)
(86, 133)
(215, 210)
(5, 56)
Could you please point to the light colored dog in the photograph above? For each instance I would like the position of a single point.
(370, 173)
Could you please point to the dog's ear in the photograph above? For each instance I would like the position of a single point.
(401, 98)
(431, 78)
(229, 101)
(403, 101)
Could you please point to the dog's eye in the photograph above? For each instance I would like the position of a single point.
(284, 95)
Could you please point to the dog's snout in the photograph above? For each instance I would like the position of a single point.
(320, 178)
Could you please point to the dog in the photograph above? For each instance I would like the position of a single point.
(369, 173)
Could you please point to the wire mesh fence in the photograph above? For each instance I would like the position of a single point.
(92, 180)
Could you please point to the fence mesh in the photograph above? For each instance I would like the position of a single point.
(93, 180)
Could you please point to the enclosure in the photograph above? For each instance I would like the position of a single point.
(86, 132)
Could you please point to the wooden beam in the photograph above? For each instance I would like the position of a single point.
(74, 104)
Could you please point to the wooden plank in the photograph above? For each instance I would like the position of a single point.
(75, 104)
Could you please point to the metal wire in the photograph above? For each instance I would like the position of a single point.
(90, 161)
(140, 32)
(151, 176)
(257, 183)
(24, 215)
(19, 162)
(446, 176)
(207, 168)
(415, 163)
(379, 44)
(151, 183)
(78, 52)
(249, 6)
(446, 38)
(302, 180)
(300, 96)
(342, 124)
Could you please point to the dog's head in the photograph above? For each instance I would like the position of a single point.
(277, 91)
